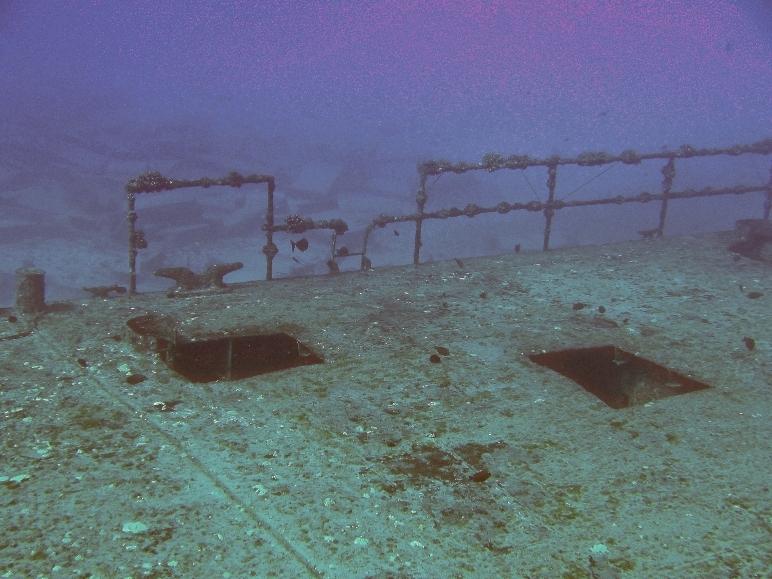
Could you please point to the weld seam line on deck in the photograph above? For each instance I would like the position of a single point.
(197, 463)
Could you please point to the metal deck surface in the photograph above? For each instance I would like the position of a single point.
(384, 462)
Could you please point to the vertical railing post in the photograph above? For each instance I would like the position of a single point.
(269, 249)
(131, 218)
(549, 212)
(364, 260)
(668, 175)
(420, 199)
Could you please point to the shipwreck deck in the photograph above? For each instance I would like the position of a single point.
(426, 444)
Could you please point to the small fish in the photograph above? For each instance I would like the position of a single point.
(166, 405)
(396, 233)
(300, 244)
(295, 259)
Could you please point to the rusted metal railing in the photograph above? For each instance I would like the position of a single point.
(496, 162)
(154, 182)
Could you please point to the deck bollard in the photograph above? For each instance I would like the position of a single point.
(30, 290)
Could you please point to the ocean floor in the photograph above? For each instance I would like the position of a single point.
(398, 423)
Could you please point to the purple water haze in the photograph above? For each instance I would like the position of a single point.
(462, 76)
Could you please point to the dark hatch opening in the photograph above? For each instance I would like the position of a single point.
(237, 357)
(619, 378)
(218, 357)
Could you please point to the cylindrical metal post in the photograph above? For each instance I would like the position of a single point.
(30, 290)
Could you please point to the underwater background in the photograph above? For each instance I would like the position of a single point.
(340, 101)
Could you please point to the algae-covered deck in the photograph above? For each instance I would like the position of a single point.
(427, 443)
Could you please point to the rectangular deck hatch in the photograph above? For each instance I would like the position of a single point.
(220, 356)
(236, 357)
(619, 378)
